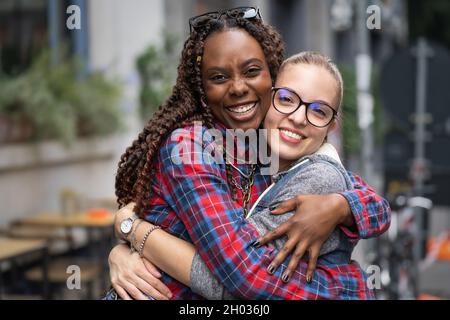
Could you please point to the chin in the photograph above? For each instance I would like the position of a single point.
(248, 125)
(288, 155)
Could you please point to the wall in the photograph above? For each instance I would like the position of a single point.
(31, 176)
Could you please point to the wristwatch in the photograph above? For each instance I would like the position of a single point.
(127, 224)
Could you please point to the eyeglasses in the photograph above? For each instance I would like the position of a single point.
(318, 113)
(240, 12)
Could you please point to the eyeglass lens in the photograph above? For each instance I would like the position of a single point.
(317, 113)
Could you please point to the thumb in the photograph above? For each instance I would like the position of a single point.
(285, 206)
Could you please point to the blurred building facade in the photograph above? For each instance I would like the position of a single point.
(111, 36)
(113, 33)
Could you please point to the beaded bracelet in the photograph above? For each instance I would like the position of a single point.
(141, 247)
(133, 241)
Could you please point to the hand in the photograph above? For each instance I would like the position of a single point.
(122, 214)
(134, 276)
(315, 219)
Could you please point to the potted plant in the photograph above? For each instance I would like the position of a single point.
(156, 67)
(48, 102)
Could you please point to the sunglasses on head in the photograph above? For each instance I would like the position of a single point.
(202, 20)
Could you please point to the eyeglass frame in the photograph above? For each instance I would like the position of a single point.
(221, 13)
(301, 103)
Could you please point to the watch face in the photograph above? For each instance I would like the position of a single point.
(126, 225)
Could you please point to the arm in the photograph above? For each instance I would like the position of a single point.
(134, 277)
(360, 207)
(176, 257)
(370, 212)
(130, 275)
(169, 253)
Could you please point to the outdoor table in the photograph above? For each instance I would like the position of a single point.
(95, 219)
(11, 249)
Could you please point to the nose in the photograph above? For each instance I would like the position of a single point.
(299, 116)
(238, 87)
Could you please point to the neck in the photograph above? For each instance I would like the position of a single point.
(284, 164)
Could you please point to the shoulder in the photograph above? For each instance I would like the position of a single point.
(182, 138)
(191, 132)
(322, 174)
(194, 133)
(186, 149)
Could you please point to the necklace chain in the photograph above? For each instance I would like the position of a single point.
(247, 181)
(246, 186)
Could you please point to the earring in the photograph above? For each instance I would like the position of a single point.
(204, 105)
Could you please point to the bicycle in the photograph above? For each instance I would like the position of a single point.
(402, 249)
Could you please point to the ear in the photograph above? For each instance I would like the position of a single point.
(334, 124)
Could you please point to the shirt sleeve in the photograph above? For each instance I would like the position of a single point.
(371, 212)
(200, 196)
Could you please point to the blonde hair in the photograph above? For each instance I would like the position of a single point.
(318, 59)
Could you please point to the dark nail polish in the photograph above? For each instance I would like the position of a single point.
(286, 277)
(308, 279)
(256, 243)
(271, 269)
(272, 207)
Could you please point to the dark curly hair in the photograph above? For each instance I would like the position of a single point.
(136, 166)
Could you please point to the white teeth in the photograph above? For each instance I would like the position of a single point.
(242, 109)
(292, 134)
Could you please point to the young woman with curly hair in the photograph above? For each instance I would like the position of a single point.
(225, 76)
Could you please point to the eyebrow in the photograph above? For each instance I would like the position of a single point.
(242, 65)
(314, 100)
(321, 101)
(249, 61)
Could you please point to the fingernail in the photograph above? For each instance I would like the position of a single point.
(271, 269)
(272, 207)
(256, 243)
(169, 295)
(285, 277)
(308, 279)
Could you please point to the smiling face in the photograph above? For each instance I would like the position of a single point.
(236, 79)
(294, 136)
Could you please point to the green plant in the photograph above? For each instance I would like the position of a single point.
(350, 129)
(55, 105)
(157, 71)
(349, 113)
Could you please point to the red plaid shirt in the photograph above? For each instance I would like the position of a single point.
(192, 201)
